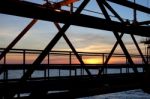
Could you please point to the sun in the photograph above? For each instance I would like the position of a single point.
(93, 61)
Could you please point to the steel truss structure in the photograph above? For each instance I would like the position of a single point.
(48, 13)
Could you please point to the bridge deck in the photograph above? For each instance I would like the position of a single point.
(75, 86)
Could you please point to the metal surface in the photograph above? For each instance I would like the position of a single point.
(73, 49)
(48, 12)
(139, 50)
(37, 11)
(117, 36)
(44, 53)
(64, 3)
(51, 44)
(132, 36)
(12, 83)
(13, 43)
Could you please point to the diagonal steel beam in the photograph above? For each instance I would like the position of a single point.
(51, 44)
(116, 44)
(120, 19)
(132, 36)
(138, 48)
(114, 47)
(73, 49)
(117, 36)
(112, 10)
(71, 46)
(44, 53)
(110, 54)
(14, 42)
(11, 45)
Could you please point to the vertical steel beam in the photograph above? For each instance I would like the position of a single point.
(134, 11)
(24, 60)
(48, 58)
(70, 56)
(71, 7)
(117, 36)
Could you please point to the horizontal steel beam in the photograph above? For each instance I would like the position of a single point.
(96, 86)
(37, 11)
(131, 5)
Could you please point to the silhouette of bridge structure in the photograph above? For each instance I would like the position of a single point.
(68, 79)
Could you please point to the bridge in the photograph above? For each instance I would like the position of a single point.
(69, 79)
(40, 77)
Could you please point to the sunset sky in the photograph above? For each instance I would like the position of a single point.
(84, 39)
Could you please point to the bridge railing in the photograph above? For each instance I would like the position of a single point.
(63, 63)
(27, 56)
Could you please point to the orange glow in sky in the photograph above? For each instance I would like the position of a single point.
(93, 61)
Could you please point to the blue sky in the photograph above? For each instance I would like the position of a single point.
(84, 39)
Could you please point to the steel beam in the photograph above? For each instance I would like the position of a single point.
(45, 52)
(112, 10)
(114, 47)
(11, 45)
(32, 10)
(144, 23)
(132, 36)
(27, 28)
(117, 36)
(139, 50)
(110, 55)
(49, 47)
(51, 44)
(73, 49)
(130, 4)
(121, 20)
(116, 44)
